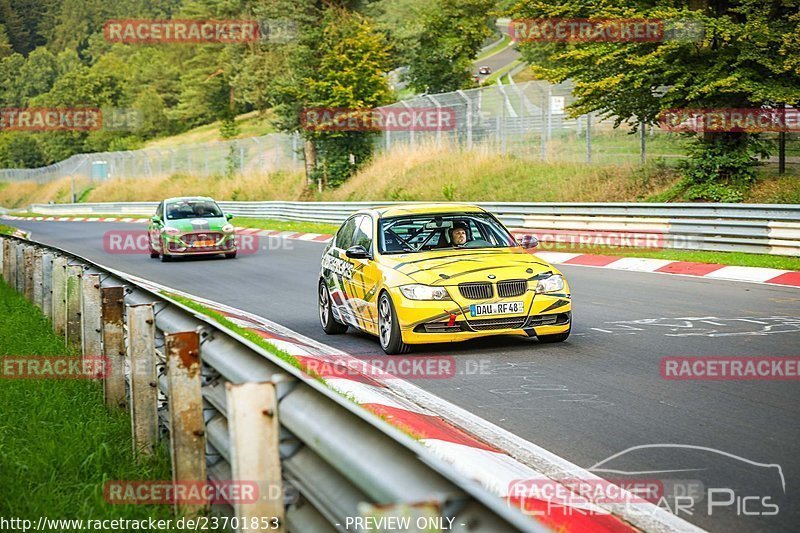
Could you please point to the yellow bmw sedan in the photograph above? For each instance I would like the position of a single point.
(417, 274)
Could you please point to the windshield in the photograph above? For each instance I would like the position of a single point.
(410, 234)
(192, 209)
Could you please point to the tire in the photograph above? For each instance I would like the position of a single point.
(164, 258)
(389, 328)
(231, 255)
(558, 337)
(329, 324)
(153, 254)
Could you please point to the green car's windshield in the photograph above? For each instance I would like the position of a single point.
(417, 233)
(182, 209)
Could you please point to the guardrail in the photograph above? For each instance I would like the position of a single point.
(750, 228)
(233, 410)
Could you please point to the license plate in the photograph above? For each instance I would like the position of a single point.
(202, 244)
(497, 308)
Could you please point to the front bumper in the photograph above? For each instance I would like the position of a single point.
(423, 321)
(183, 244)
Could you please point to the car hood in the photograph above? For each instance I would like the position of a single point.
(451, 267)
(198, 224)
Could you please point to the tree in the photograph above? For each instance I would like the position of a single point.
(450, 39)
(744, 59)
(39, 73)
(5, 44)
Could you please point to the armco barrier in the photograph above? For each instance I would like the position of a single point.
(233, 410)
(750, 228)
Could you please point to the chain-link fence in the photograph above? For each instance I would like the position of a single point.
(268, 153)
(527, 119)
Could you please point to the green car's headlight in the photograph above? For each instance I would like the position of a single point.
(554, 283)
(227, 228)
(424, 292)
(171, 231)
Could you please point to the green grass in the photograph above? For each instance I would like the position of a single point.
(7, 230)
(58, 444)
(501, 72)
(250, 124)
(286, 225)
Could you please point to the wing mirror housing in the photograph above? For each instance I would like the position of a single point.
(228, 216)
(155, 219)
(529, 242)
(357, 252)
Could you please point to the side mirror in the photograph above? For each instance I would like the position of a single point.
(228, 216)
(155, 219)
(357, 252)
(528, 242)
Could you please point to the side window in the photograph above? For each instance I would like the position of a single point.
(344, 237)
(363, 232)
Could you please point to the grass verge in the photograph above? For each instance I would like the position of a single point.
(58, 444)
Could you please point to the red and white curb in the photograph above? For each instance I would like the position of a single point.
(476, 448)
(770, 276)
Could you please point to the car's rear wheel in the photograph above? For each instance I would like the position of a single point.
(164, 258)
(558, 337)
(153, 254)
(231, 255)
(329, 323)
(389, 327)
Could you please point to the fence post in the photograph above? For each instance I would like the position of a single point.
(19, 268)
(642, 140)
(7, 261)
(543, 126)
(114, 346)
(463, 95)
(254, 434)
(91, 316)
(73, 301)
(187, 433)
(589, 137)
(47, 285)
(37, 278)
(59, 297)
(29, 277)
(144, 384)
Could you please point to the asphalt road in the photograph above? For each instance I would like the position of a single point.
(588, 399)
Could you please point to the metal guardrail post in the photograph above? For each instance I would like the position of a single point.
(73, 302)
(91, 316)
(19, 268)
(589, 138)
(7, 261)
(143, 381)
(37, 277)
(59, 297)
(114, 346)
(47, 285)
(186, 430)
(29, 277)
(254, 433)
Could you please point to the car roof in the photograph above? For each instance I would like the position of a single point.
(424, 209)
(184, 198)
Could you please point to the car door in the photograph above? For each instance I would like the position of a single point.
(366, 276)
(155, 229)
(338, 273)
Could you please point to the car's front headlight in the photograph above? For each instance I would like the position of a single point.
(554, 283)
(171, 231)
(424, 292)
(227, 228)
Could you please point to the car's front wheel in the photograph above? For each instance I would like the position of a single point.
(329, 323)
(389, 327)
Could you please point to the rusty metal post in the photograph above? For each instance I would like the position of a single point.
(186, 430)
(19, 268)
(47, 284)
(114, 346)
(74, 274)
(254, 434)
(27, 254)
(59, 297)
(37, 277)
(91, 316)
(7, 261)
(144, 383)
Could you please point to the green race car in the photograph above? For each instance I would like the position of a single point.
(190, 226)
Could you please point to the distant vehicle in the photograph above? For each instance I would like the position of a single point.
(484, 70)
(417, 274)
(190, 226)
